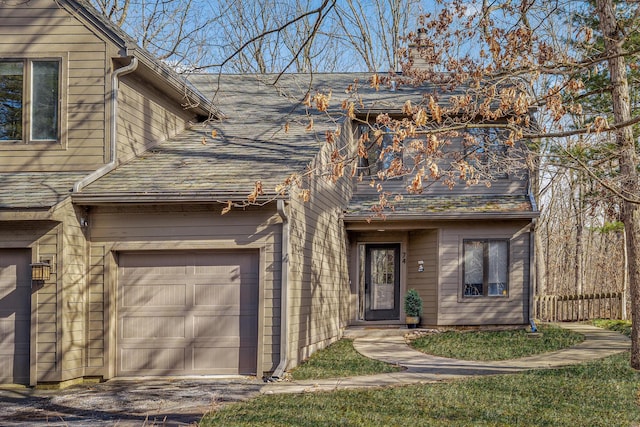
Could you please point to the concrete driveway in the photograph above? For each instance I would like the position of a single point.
(132, 402)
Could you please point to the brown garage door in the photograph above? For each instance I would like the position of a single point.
(187, 313)
(15, 315)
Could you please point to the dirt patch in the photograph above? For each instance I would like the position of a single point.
(144, 402)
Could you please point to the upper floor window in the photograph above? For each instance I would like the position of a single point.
(486, 268)
(383, 153)
(29, 100)
(485, 149)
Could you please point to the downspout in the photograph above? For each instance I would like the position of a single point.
(532, 274)
(284, 299)
(102, 171)
(532, 262)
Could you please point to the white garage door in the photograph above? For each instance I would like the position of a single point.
(15, 315)
(187, 313)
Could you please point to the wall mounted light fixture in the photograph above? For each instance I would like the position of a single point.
(40, 271)
(420, 266)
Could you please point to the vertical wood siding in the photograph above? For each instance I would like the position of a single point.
(41, 28)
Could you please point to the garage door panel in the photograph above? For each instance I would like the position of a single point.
(224, 260)
(225, 295)
(153, 327)
(15, 315)
(207, 307)
(222, 279)
(225, 360)
(155, 360)
(139, 294)
(224, 326)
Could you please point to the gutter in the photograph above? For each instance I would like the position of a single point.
(284, 300)
(220, 196)
(99, 173)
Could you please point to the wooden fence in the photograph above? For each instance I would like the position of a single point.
(562, 308)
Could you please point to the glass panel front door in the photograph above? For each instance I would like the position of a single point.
(382, 282)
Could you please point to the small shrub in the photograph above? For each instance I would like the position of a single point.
(413, 303)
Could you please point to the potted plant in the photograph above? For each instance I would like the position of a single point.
(412, 308)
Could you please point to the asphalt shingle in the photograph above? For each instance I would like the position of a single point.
(35, 190)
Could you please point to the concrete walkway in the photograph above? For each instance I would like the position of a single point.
(390, 346)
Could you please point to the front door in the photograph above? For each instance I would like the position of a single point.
(382, 281)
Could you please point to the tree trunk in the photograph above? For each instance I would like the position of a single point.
(578, 206)
(628, 161)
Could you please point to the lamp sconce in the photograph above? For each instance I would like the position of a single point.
(420, 266)
(40, 272)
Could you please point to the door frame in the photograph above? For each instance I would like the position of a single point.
(392, 314)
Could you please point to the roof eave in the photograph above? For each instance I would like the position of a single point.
(200, 197)
(438, 216)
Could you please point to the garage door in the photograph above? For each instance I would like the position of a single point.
(187, 313)
(15, 315)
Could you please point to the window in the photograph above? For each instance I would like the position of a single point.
(486, 268)
(486, 150)
(383, 154)
(29, 100)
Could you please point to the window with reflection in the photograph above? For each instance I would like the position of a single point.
(381, 152)
(486, 150)
(29, 100)
(486, 268)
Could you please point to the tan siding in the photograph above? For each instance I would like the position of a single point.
(73, 294)
(144, 119)
(42, 28)
(319, 292)
(174, 228)
(455, 310)
(423, 246)
(49, 333)
(44, 239)
(96, 316)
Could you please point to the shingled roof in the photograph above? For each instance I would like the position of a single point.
(251, 143)
(35, 190)
(263, 136)
(417, 206)
(223, 159)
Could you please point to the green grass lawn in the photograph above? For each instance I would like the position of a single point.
(340, 359)
(622, 326)
(599, 393)
(496, 345)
